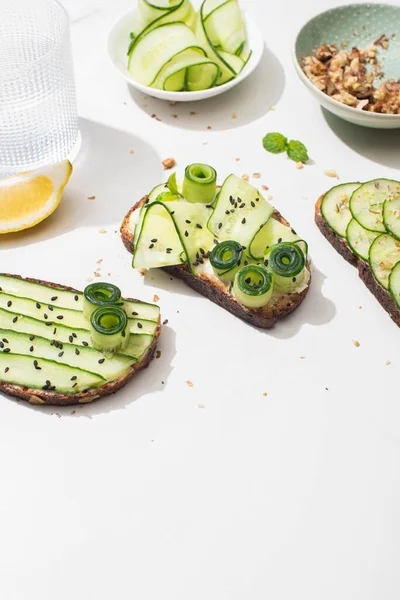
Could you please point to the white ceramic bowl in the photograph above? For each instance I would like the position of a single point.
(118, 42)
(361, 24)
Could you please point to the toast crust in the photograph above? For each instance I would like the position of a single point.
(364, 271)
(265, 317)
(42, 397)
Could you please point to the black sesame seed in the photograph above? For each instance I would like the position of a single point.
(45, 316)
(294, 279)
(60, 317)
(85, 343)
(74, 335)
(76, 298)
(48, 382)
(202, 251)
(219, 225)
(246, 262)
(266, 262)
(15, 319)
(48, 323)
(6, 350)
(195, 264)
(5, 340)
(242, 205)
(52, 388)
(77, 351)
(199, 226)
(187, 221)
(31, 337)
(169, 250)
(38, 305)
(54, 330)
(208, 206)
(243, 221)
(52, 342)
(6, 369)
(101, 360)
(253, 204)
(257, 199)
(56, 344)
(172, 212)
(45, 387)
(135, 313)
(154, 240)
(248, 280)
(186, 234)
(151, 246)
(140, 325)
(75, 384)
(54, 298)
(73, 378)
(71, 339)
(60, 354)
(279, 240)
(35, 363)
(227, 212)
(9, 303)
(216, 241)
(31, 349)
(1, 345)
(197, 255)
(50, 307)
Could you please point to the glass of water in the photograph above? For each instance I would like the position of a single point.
(38, 112)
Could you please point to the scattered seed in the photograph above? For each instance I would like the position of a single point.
(31, 338)
(31, 349)
(264, 187)
(101, 360)
(73, 378)
(201, 405)
(9, 303)
(356, 343)
(265, 394)
(219, 225)
(186, 234)
(165, 322)
(256, 175)
(54, 298)
(154, 240)
(6, 369)
(151, 246)
(299, 165)
(74, 335)
(50, 308)
(77, 351)
(155, 298)
(15, 319)
(245, 177)
(38, 305)
(71, 339)
(60, 354)
(189, 383)
(199, 226)
(243, 221)
(45, 316)
(168, 163)
(75, 384)
(331, 173)
(91, 197)
(85, 343)
(102, 230)
(140, 326)
(6, 350)
(387, 362)
(76, 298)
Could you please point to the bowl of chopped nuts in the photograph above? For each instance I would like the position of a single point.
(349, 59)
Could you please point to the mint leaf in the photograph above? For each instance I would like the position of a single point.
(172, 184)
(297, 151)
(275, 143)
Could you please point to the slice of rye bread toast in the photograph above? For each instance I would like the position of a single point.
(383, 296)
(42, 397)
(264, 317)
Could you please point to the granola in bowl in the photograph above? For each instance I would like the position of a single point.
(349, 76)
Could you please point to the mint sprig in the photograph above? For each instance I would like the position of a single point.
(276, 143)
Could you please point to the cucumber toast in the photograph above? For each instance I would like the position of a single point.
(60, 346)
(227, 243)
(362, 222)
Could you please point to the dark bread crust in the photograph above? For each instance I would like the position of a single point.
(43, 397)
(265, 317)
(383, 296)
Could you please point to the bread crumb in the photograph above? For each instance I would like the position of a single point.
(131, 152)
(158, 353)
(237, 159)
(102, 230)
(264, 187)
(356, 343)
(256, 175)
(73, 412)
(201, 405)
(265, 394)
(387, 362)
(209, 127)
(271, 107)
(234, 115)
(172, 102)
(270, 197)
(168, 163)
(98, 262)
(154, 116)
(193, 112)
(96, 274)
(156, 298)
(91, 197)
(175, 116)
(302, 357)
(360, 307)
(142, 272)
(189, 383)
(245, 177)
(109, 274)
(331, 173)
(299, 165)
(89, 279)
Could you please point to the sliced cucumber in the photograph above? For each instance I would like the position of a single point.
(359, 239)
(391, 215)
(288, 264)
(189, 70)
(225, 28)
(42, 312)
(142, 326)
(41, 293)
(167, 248)
(239, 211)
(384, 254)
(366, 203)
(253, 286)
(394, 283)
(137, 346)
(87, 358)
(142, 310)
(335, 207)
(235, 62)
(147, 17)
(35, 373)
(271, 233)
(155, 49)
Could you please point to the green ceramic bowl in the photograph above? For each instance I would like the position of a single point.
(360, 25)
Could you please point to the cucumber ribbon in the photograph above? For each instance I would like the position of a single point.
(200, 183)
(108, 329)
(99, 294)
(253, 286)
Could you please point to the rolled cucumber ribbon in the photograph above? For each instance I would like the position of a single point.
(287, 262)
(99, 294)
(225, 259)
(253, 286)
(108, 329)
(200, 183)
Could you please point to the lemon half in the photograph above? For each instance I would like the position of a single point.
(28, 198)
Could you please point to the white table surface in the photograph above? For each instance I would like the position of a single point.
(146, 495)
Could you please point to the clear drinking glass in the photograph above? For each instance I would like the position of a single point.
(38, 112)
